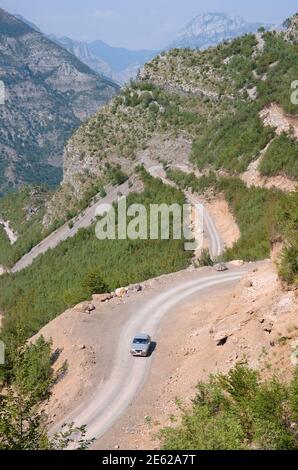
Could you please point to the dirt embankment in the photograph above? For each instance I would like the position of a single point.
(273, 116)
(223, 218)
(253, 177)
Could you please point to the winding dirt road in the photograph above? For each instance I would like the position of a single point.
(117, 387)
(213, 236)
(216, 246)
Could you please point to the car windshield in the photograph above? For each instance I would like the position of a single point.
(140, 341)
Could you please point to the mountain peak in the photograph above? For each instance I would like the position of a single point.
(208, 29)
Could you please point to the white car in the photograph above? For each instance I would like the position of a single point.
(141, 345)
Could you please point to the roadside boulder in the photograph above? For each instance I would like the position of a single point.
(121, 292)
(84, 307)
(220, 267)
(81, 307)
(89, 308)
(135, 288)
(99, 298)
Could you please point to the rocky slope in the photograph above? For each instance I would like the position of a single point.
(49, 93)
(291, 25)
(209, 29)
(82, 51)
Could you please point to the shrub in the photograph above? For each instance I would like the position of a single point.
(205, 258)
(288, 268)
(32, 370)
(93, 283)
(238, 411)
(115, 175)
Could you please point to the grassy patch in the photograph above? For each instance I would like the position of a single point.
(281, 158)
(288, 268)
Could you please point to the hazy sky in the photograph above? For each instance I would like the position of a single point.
(137, 23)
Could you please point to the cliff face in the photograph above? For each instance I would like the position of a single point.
(48, 93)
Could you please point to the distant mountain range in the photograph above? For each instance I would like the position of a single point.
(210, 29)
(120, 64)
(49, 92)
(116, 63)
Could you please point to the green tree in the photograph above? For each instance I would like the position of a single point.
(93, 283)
(32, 370)
(24, 427)
(29, 376)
